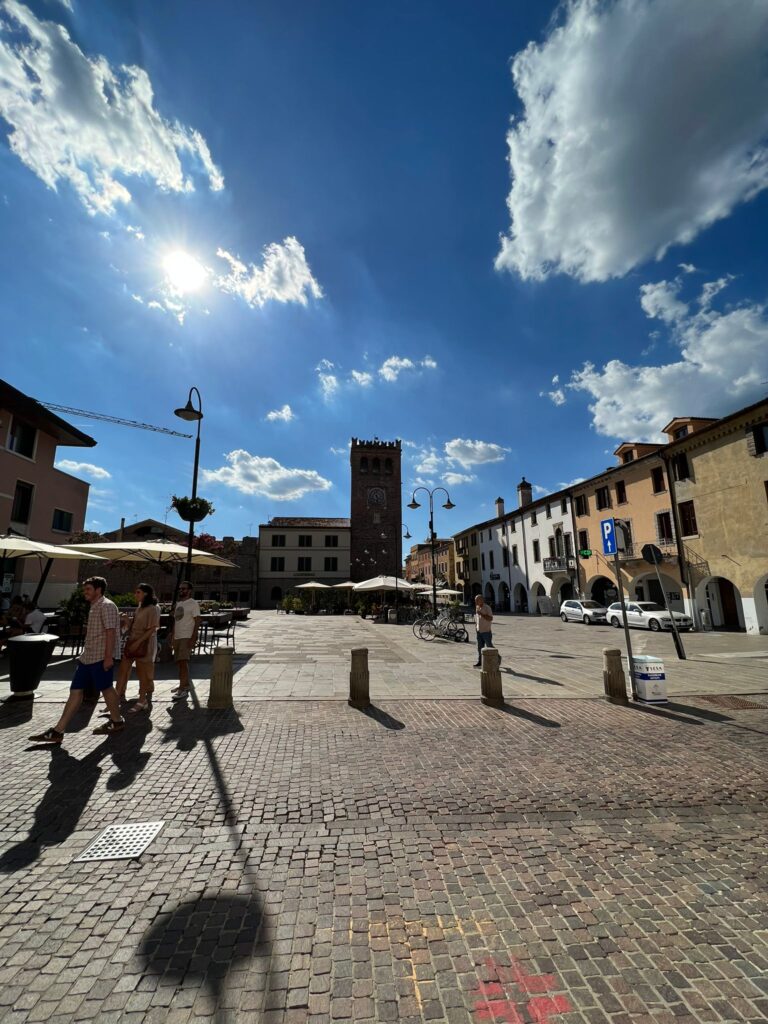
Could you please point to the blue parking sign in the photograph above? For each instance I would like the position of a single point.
(608, 533)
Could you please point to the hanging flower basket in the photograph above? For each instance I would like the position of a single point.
(192, 510)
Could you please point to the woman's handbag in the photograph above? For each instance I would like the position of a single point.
(136, 648)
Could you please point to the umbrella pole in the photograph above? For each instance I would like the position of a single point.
(41, 584)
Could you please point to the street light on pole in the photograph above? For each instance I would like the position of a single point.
(190, 413)
(446, 504)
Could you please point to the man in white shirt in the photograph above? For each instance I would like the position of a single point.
(483, 624)
(34, 620)
(186, 622)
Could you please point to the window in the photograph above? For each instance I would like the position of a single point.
(278, 540)
(687, 518)
(491, 560)
(568, 546)
(536, 552)
(664, 527)
(505, 557)
(533, 519)
(62, 521)
(22, 439)
(621, 493)
(513, 526)
(552, 551)
(760, 437)
(305, 540)
(388, 466)
(564, 505)
(305, 563)
(549, 511)
(583, 541)
(331, 565)
(680, 468)
(603, 497)
(628, 457)
(376, 466)
(482, 559)
(277, 564)
(657, 479)
(22, 502)
(364, 464)
(680, 433)
(473, 539)
(514, 555)
(582, 505)
(474, 564)
(331, 540)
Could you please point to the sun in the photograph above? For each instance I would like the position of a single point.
(183, 271)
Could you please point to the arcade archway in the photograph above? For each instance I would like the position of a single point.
(521, 599)
(721, 600)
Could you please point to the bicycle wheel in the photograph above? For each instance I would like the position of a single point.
(416, 626)
(427, 630)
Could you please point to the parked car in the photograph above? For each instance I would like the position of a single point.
(583, 611)
(648, 615)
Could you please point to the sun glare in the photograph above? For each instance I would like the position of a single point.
(184, 272)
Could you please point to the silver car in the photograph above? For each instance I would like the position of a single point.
(648, 615)
(583, 611)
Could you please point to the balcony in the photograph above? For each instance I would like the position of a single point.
(553, 565)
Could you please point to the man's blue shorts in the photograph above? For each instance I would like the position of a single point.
(92, 675)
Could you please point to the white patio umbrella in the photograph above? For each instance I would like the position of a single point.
(447, 592)
(12, 546)
(349, 586)
(159, 552)
(313, 585)
(384, 583)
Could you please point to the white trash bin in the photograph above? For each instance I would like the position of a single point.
(650, 679)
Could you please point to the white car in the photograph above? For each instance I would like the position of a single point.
(583, 611)
(648, 615)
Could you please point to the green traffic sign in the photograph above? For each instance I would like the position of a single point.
(586, 553)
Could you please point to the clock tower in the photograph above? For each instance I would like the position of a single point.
(376, 509)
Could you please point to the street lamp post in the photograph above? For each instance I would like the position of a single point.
(190, 413)
(432, 537)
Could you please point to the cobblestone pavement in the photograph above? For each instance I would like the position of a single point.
(553, 862)
(287, 656)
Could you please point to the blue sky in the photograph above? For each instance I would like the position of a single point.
(512, 234)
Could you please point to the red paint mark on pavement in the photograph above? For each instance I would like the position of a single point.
(496, 1003)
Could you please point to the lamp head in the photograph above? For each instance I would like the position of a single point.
(188, 412)
(406, 535)
(413, 504)
(449, 504)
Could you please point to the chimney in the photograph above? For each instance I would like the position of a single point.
(499, 508)
(122, 527)
(524, 493)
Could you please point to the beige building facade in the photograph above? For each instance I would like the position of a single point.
(294, 550)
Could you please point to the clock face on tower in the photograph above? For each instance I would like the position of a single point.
(377, 497)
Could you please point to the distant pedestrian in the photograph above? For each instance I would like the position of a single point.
(96, 664)
(186, 623)
(141, 648)
(34, 619)
(483, 621)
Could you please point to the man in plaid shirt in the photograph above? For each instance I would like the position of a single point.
(95, 668)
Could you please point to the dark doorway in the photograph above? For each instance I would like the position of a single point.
(728, 601)
(566, 592)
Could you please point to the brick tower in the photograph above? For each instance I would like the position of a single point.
(375, 509)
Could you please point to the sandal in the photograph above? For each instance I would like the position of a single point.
(140, 705)
(109, 728)
(49, 736)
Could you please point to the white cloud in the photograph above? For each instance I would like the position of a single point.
(429, 462)
(537, 489)
(391, 368)
(660, 301)
(283, 276)
(644, 122)
(329, 384)
(473, 453)
(557, 396)
(723, 364)
(84, 468)
(687, 268)
(137, 233)
(429, 363)
(76, 119)
(340, 451)
(571, 483)
(362, 378)
(254, 474)
(453, 479)
(284, 414)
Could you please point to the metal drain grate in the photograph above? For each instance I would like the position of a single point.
(733, 703)
(121, 842)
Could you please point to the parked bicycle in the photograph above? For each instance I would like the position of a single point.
(444, 627)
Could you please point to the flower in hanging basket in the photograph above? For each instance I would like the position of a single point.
(192, 510)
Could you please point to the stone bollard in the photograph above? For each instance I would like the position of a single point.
(359, 695)
(614, 681)
(490, 677)
(220, 693)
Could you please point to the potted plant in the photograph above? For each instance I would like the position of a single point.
(192, 510)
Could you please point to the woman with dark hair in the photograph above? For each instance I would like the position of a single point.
(141, 647)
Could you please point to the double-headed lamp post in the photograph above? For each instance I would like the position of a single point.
(190, 413)
(446, 504)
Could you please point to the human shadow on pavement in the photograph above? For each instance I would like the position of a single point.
(204, 938)
(705, 713)
(15, 712)
(188, 725)
(659, 712)
(382, 717)
(127, 755)
(535, 679)
(71, 785)
(530, 716)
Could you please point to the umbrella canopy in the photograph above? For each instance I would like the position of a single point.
(22, 547)
(384, 583)
(447, 592)
(161, 552)
(313, 585)
(349, 585)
